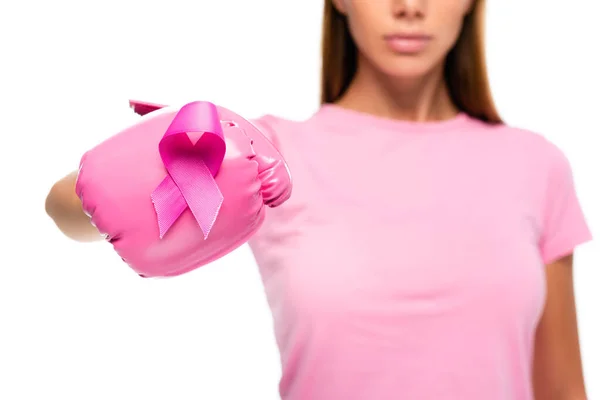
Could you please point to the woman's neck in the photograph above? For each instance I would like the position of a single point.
(421, 99)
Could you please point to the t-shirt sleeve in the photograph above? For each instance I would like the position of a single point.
(564, 224)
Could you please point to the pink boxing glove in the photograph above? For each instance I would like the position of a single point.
(182, 187)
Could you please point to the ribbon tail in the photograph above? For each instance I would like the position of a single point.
(168, 203)
(204, 198)
(192, 185)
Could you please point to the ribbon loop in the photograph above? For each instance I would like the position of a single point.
(191, 168)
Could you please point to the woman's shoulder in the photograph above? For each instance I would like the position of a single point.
(533, 149)
(535, 143)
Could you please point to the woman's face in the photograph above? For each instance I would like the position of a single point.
(404, 38)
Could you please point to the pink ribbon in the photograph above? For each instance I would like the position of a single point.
(191, 168)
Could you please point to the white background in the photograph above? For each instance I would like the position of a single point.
(76, 323)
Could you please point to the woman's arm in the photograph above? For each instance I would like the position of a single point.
(558, 372)
(64, 207)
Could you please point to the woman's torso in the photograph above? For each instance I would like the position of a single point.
(406, 264)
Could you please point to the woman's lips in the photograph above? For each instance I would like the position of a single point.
(407, 43)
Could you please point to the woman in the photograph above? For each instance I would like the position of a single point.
(427, 250)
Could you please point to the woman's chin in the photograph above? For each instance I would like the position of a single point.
(408, 68)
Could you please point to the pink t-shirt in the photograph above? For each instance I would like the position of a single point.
(409, 262)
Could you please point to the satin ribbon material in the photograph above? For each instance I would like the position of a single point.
(191, 168)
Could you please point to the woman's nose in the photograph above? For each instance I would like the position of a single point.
(409, 9)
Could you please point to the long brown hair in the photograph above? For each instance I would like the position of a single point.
(465, 69)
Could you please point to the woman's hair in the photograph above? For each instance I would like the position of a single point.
(465, 70)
